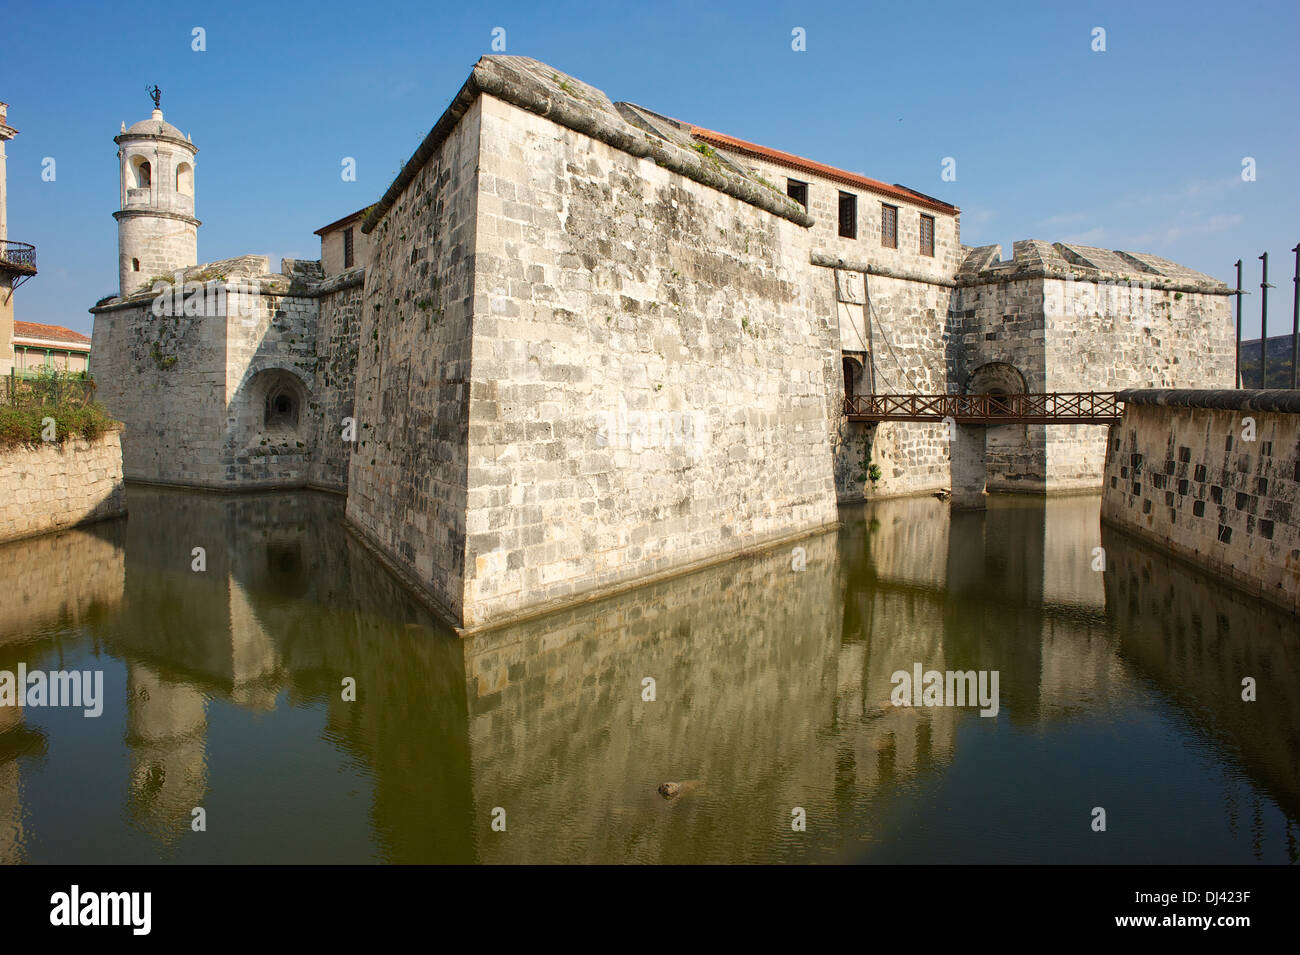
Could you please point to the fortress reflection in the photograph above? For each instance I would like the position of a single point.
(771, 685)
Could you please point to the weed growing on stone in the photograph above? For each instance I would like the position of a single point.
(24, 425)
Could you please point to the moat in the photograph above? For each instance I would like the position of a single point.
(224, 689)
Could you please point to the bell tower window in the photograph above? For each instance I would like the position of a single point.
(141, 173)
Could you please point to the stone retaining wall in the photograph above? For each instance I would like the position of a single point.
(55, 486)
(1215, 477)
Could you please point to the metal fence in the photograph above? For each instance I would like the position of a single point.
(21, 392)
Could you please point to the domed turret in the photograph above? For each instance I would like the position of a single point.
(157, 233)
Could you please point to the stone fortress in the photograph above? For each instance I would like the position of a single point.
(578, 345)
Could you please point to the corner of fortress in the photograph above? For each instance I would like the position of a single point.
(578, 345)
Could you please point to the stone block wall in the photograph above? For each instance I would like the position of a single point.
(1182, 471)
(55, 486)
(652, 380)
(1070, 319)
(1003, 324)
(163, 377)
(194, 378)
(270, 350)
(408, 473)
(338, 335)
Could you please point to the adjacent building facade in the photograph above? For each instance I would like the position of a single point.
(49, 349)
(578, 345)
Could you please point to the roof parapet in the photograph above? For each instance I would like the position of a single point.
(533, 86)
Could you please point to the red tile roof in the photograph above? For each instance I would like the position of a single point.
(51, 333)
(723, 141)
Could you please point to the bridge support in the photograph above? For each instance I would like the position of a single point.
(969, 473)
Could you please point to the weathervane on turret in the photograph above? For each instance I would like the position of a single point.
(156, 93)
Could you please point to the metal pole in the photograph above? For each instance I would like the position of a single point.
(1238, 323)
(1263, 324)
(1295, 322)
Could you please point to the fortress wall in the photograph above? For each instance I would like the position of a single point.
(334, 382)
(1066, 335)
(269, 337)
(56, 486)
(1111, 337)
(908, 322)
(163, 377)
(653, 383)
(407, 476)
(1004, 323)
(909, 357)
(1181, 472)
(909, 319)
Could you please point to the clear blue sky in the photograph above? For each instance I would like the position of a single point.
(1137, 148)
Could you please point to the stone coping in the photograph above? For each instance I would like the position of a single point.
(1155, 283)
(341, 280)
(1279, 400)
(537, 88)
(826, 261)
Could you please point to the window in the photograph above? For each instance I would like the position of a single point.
(135, 265)
(889, 226)
(848, 215)
(347, 247)
(798, 191)
(927, 235)
(141, 173)
(185, 179)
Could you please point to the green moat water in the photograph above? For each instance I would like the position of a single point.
(223, 689)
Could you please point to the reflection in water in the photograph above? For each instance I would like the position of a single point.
(771, 691)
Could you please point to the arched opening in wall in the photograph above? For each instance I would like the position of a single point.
(141, 173)
(996, 378)
(135, 265)
(281, 407)
(272, 409)
(854, 375)
(1000, 379)
(185, 179)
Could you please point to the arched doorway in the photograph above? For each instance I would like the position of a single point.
(1010, 453)
(854, 375)
(996, 378)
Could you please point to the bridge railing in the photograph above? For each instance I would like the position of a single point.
(1074, 407)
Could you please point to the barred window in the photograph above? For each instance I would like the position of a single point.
(798, 191)
(848, 215)
(927, 235)
(889, 226)
(347, 247)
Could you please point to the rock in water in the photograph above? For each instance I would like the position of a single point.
(673, 790)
